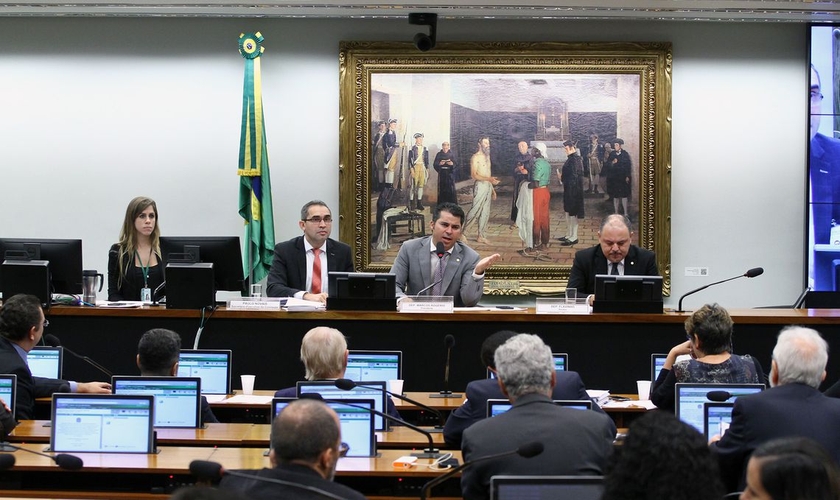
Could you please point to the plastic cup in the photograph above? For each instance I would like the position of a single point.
(248, 384)
(396, 386)
(644, 389)
(256, 291)
(571, 295)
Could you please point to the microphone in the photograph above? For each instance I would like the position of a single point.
(345, 384)
(527, 450)
(439, 250)
(718, 396)
(53, 341)
(752, 273)
(430, 452)
(63, 460)
(428, 288)
(449, 342)
(204, 469)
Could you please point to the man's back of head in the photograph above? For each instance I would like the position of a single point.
(525, 366)
(304, 432)
(491, 343)
(19, 314)
(323, 352)
(800, 357)
(158, 352)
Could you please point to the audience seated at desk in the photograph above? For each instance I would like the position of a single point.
(135, 263)
(22, 325)
(568, 386)
(709, 332)
(791, 467)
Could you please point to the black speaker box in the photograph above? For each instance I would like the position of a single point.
(26, 276)
(190, 286)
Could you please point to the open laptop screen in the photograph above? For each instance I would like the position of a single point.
(554, 487)
(716, 418)
(691, 397)
(328, 390)
(374, 365)
(45, 362)
(177, 399)
(499, 406)
(111, 423)
(211, 365)
(356, 423)
(657, 361)
(8, 390)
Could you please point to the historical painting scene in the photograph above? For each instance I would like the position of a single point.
(535, 160)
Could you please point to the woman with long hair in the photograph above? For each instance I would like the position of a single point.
(135, 265)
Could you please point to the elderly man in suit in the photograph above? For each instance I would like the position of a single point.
(456, 272)
(301, 264)
(792, 407)
(574, 442)
(614, 254)
(568, 386)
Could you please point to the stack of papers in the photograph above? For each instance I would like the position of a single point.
(294, 304)
(600, 397)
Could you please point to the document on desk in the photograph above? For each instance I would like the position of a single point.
(248, 399)
(299, 305)
(647, 405)
(122, 304)
(215, 398)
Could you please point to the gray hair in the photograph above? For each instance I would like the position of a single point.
(304, 211)
(616, 218)
(800, 355)
(322, 352)
(525, 365)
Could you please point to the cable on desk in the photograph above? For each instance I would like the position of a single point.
(203, 323)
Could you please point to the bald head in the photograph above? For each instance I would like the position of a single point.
(614, 237)
(323, 352)
(307, 432)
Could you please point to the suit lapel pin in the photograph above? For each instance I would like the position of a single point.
(632, 263)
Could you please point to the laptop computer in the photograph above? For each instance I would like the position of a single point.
(716, 418)
(328, 390)
(8, 390)
(102, 423)
(689, 399)
(561, 363)
(213, 366)
(177, 399)
(499, 406)
(374, 365)
(357, 422)
(554, 487)
(657, 361)
(45, 361)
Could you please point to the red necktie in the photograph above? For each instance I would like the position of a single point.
(316, 271)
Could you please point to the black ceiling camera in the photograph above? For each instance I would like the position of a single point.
(423, 42)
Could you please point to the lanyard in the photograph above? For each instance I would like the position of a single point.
(145, 270)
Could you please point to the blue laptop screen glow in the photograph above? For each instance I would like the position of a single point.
(690, 399)
(8, 384)
(177, 399)
(561, 363)
(102, 423)
(328, 390)
(372, 365)
(45, 362)
(718, 417)
(212, 367)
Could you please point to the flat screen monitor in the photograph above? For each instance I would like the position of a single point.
(223, 251)
(657, 361)
(554, 487)
(499, 406)
(212, 366)
(361, 291)
(716, 418)
(328, 390)
(561, 363)
(374, 365)
(358, 439)
(102, 423)
(64, 256)
(690, 399)
(177, 399)
(8, 390)
(627, 294)
(45, 361)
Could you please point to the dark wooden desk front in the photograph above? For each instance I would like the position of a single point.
(610, 351)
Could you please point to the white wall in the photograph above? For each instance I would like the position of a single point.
(96, 111)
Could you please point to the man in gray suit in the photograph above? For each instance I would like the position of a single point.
(574, 442)
(455, 272)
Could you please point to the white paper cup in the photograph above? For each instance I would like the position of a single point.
(248, 384)
(396, 386)
(644, 389)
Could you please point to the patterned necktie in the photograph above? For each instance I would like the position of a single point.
(437, 290)
(316, 271)
(614, 270)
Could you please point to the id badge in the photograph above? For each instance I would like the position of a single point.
(146, 295)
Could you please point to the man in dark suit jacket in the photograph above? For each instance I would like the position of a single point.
(305, 441)
(568, 386)
(792, 407)
(613, 248)
(575, 442)
(22, 325)
(416, 263)
(291, 273)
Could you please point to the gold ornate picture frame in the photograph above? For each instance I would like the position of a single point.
(541, 93)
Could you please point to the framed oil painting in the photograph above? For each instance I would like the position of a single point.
(465, 123)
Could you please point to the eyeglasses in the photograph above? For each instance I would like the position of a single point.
(816, 96)
(318, 220)
(46, 323)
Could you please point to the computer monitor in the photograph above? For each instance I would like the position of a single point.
(561, 363)
(657, 361)
(46, 361)
(357, 432)
(362, 291)
(627, 294)
(716, 418)
(212, 366)
(177, 399)
(374, 365)
(328, 390)
(223, 251)
(499, 406)
(8, 390)
(554, 487)
(64, 256)
(691, 397)
(102, 423)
